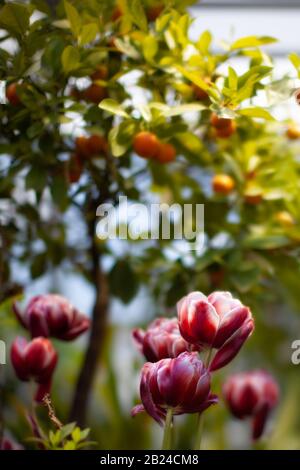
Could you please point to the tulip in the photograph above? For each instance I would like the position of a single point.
(52, 315)
(34, 360)
(252, 394)
(161, 340)
(8, 444)
(181, 384)
(215, 322)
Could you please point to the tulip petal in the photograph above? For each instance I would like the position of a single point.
(176, 377)
(137, 409)
(38, 325)
(232, 346)
(259, 421)
(19, 314)
(146, 395)
(230, 323)
(17, 354)
(138, 336)
(82, 324)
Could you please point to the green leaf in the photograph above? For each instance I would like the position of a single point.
(69, 445)
(252, 41)
(162, 22)
(39, 265)
(204, 42)
(14, 17)
(59, 191)
(36, 179)
(137, 14)
(74, 18)
(295, 59)
(84, 434)
(190, 142)
(170, 111)
(232, 79)
(120, 138)
(66, 430)
(257, 113)
(267, 242)
(113, 107)
(124, 283)
(88, 33)
(70, 59)
(150, 48)
(76, 435)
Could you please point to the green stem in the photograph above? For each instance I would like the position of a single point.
(199, 432)
(208, 357)
(200, 425)
(167, 439)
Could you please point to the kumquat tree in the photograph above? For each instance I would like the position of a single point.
(145, 341)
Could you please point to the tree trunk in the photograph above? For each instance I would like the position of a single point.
(98, 329)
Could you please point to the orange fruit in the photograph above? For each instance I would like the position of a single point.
(253, 199)
(223, 184)
(199, 93)
(82, 146)
(12, 94)
(94, 93)
(219, 122)
(293, 132)
(116, 14)
(225, 132)
(154, 12)
(166, 153)
(146, 144)
(96, 144)
(75, 168)
(101, 73)
(285, 219)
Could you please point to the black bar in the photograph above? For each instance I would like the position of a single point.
(133, 459)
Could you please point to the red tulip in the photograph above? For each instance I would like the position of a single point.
(218, 321)
(252, 394)
(9, 444)
(182, 383)
(52, 315)
(34, 360)
(161, 340)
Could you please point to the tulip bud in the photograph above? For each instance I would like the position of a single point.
(161, 340)
(34, 360)
(182, 383)
(252, 394)
(8, 444)
(52, 315)
(218, 321)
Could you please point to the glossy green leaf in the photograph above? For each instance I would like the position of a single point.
(252, 41)
(73, 17)
(257, 112)
(70, 59)
(113, 107)
(14, 17)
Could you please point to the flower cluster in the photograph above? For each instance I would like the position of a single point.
(46, 316)
(178, 381)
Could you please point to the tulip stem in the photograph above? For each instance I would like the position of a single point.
(199, 433)
(167, 439)
(208, 357)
